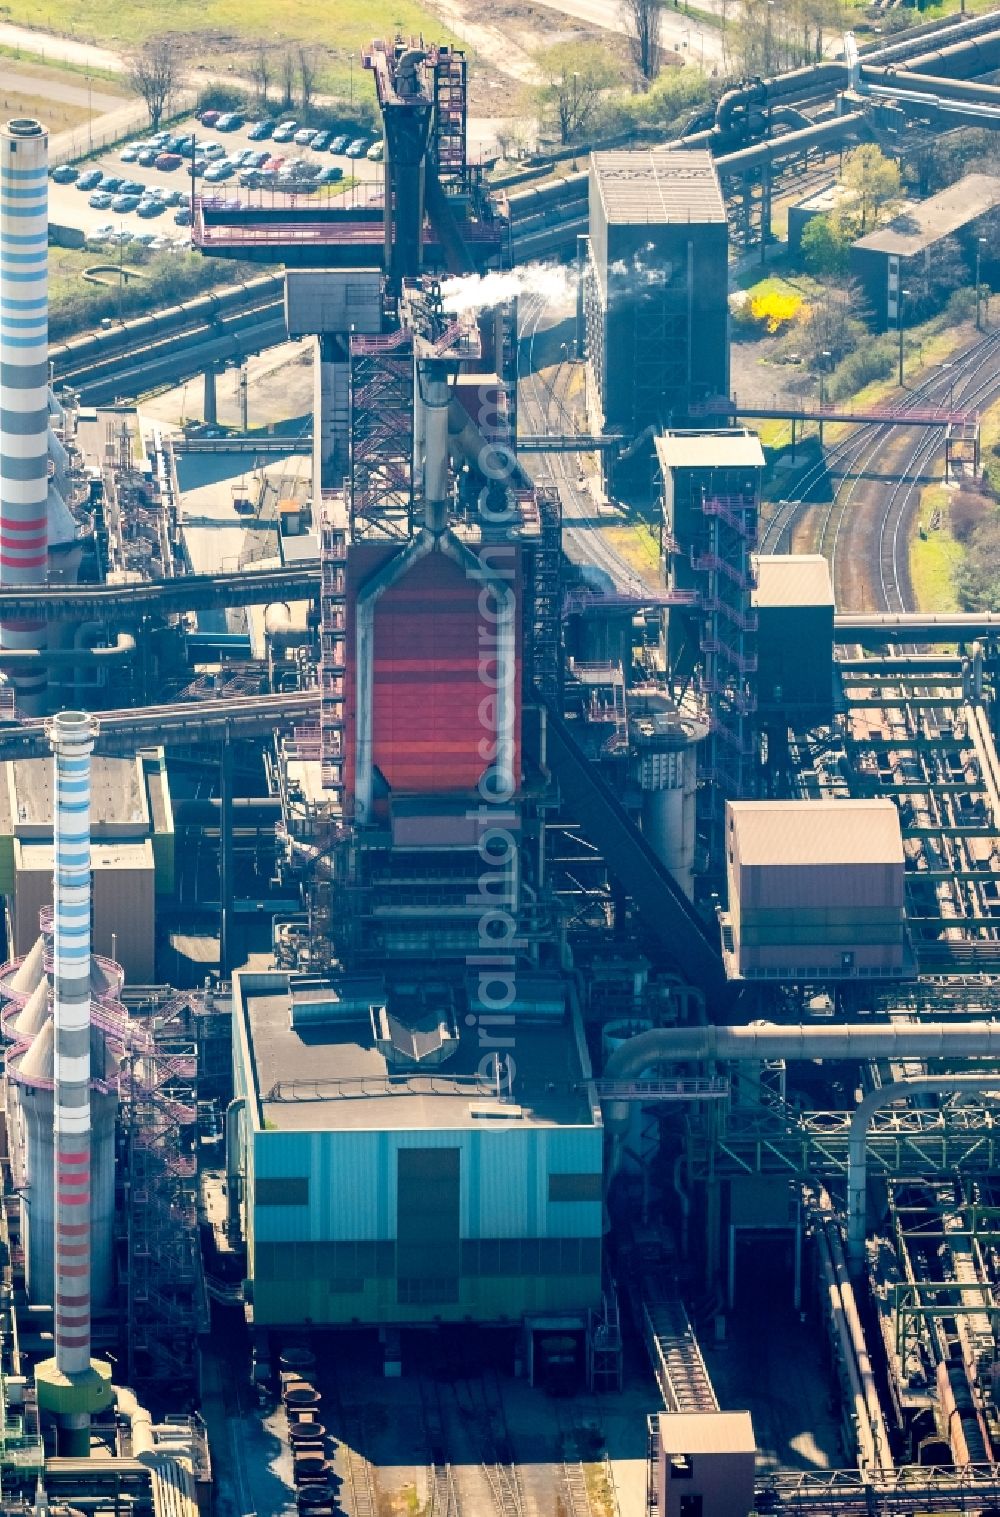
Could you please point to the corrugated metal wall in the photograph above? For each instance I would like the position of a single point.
(429, 690)
(504, 1182)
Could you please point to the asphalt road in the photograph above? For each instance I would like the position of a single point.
(680, 31)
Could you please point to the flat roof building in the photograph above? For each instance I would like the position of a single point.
(815, 890)
(794, 604)
(656, 291)
(883, 259)
(396, 1169)
(132, 851)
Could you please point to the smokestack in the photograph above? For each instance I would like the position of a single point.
(72, 1385)
(72, 734)
(24, 387)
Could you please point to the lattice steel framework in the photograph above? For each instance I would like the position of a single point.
(448, 139)
(333, 656)
(544, 607)
(727, 638)
(381, 482)
(165, 1287)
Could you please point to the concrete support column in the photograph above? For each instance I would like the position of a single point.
(211, 405)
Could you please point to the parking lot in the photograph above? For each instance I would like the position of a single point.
(69, 204)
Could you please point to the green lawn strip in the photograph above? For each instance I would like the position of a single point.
(934, 553)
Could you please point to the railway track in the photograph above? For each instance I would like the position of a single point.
(581, 525)
(443, 1492)
(480, 1404)
(836, 532)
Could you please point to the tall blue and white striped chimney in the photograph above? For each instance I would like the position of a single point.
(24, 387)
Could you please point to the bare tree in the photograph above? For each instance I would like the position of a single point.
(643, 21)
(153, 73)
(307, 76)
(575, 75)
(260, 72)
(287, 80)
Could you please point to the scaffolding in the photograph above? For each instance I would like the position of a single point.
(381, 487)
(542, 607)
(166, 1300)
(727, 639)
(333, 656)
(448, 141)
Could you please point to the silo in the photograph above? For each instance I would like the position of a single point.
(665, 744)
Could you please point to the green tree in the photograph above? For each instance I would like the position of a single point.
(673, 95)
(643, 22)
(978, 576)
(826, 246)
(575, 75)
(874, 184)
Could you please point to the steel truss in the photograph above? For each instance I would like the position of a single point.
(381, 483)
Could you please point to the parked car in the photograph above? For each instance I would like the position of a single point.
(112, 183)
(182, 144)
(376, 152)
(274, 163)
(151, 206)
(211, 150)
(100, 200)
(258, 131)
(155, 139)
(129, 152)
(159, 244)
(172, 197)
(332, 174)
(169, 161)
(256, 160)
(285, 131)
(120, 235)
(339, 143)
(230, 121)
(89, 179)
(208, 118)
(143, 238)
(321, 142)
(123, 204)
(357, 148)
(103, 232)
(197, 168)
(216, 172)
(131, 187)
(147, 156)
(65, 173)
(182, 216)
(305, 135)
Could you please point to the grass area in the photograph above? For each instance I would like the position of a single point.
(989, 444)
(638, 544)
(35, 61)
(934, 553)
(77, 305)
(34, 89)
(602, 1497)
(227, 32)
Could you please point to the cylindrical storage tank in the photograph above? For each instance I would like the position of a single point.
(38, 1201)
(302, 1360)
(666, 759)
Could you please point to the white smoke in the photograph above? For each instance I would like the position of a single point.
(478, 292)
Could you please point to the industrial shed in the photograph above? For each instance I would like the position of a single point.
(656, 287)
(132, 851)
(881, 259)
(815, 890)
(382, 1179)
(793, 599)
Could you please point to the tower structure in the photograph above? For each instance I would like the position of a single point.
(24, 388)
(72, 1386)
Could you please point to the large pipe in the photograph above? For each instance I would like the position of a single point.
(876, 1419)
(24, 387)
(857, 1155)
(72, 735)
(923, 84)
(76, 658)
(766, 1040)
(434, 399)
(835, 1307)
